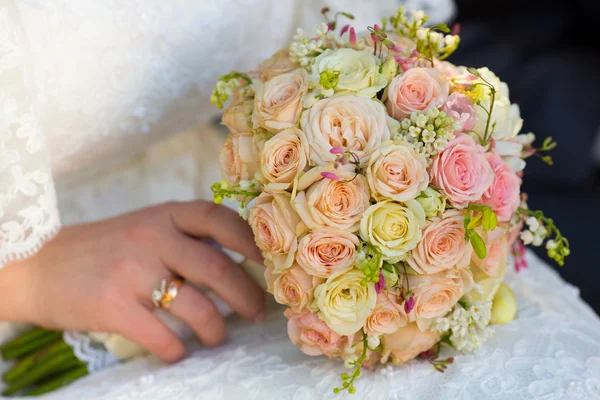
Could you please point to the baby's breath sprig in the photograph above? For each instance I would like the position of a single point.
(485, 218)
(244, 191)
(540, 229)
(226, 85)
(369, 260)
(348, 379)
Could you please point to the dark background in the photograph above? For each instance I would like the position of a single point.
(549, 55)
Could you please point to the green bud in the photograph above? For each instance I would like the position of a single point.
(391, 278)
(346, 384)
(504, 306)
(329, 78)
(478, 245)
(336, 390)
(345, 376)
(389, 69)
(351, 390)
(218, 199)
(433, 202)
(224, 184)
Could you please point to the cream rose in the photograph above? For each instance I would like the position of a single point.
(327, 251)
(238, 158)
(325, 202)
(295, 288)
(276, 227)
(407, 343)
(358, 70)
(238, 116)
(397, 172)
(279, 63)
(387, 317)
(354, 123)
(312, 335)
(394, 228)
(282, 158)
(343, 303)
(436, 294)
(417, 89)
(443, 245)
(278, 102)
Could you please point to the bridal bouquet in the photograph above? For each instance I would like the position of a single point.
(382, 184)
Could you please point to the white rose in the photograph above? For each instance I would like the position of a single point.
(343, 303)
(394, 228)
(358, 70)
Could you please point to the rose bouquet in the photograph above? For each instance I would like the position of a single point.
(382, 184)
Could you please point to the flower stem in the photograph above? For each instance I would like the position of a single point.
(58, 381)
(33, 359)
(24, 345)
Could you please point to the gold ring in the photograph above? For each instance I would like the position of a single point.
(169, 288)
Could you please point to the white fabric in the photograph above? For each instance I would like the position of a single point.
(550, 352)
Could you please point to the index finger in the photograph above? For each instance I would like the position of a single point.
(225, 226)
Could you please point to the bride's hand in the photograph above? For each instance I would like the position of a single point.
(100, 276)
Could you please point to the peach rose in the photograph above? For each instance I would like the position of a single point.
(397, 172)
(496, 260)
(270, 276)
(327, 251)
(407, 343)
(327, 202)
(312, 335)
(435, 295)
(295, 288)
(462, 171)
(239, 158)
(282, 158)
(238, 116)
(504, 195)
(351, 122)
(387, 317)
(279, 63)
(276, 228)
(417, 89)
(442, 246)
(278, 101)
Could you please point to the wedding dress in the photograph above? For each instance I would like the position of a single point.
(104, 109)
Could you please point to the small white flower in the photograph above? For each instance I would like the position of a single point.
(542, 231)
(421, 120)
(405, 124)
(533, 223)
(440, 144)
(537, 241)
(245, 185)
(441, 325)
(527, 237)
(348, 362)
(427, 136)
(551, 244)
(414, 131)
(373, 342)
(243, 211)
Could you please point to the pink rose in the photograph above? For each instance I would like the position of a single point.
(461, 109)
(276, 227)
(417, 89)
(327, 251)
(239, 158)
(278, 64)
(354, 123)
(278, 102)
(387, 317)
(462, 171)
(397, 172)
(435, 295)
(407, 343)
(295, 288)
(442, 246)
(504, 195)
(337, 203)
(312, 335)
(282, 158)
(496, 260)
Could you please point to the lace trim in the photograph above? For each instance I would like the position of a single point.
(28, 210)
(92, 353)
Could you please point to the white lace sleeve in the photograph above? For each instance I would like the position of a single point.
(28, 211)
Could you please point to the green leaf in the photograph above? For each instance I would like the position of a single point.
(478, 245)
(441, 27)
(347, 15)
(475, 222)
